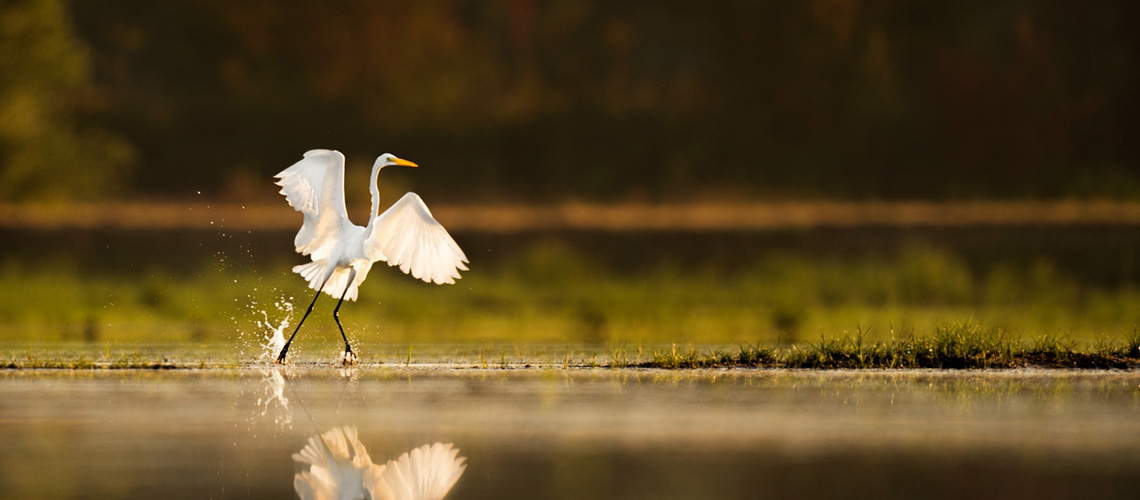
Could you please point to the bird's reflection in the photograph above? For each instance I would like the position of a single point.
(339, 468)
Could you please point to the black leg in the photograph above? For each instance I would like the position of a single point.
(285, 350)
(348, 355)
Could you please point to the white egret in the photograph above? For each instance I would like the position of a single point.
(405, 235)
(339, 468)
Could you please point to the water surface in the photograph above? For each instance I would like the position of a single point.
(553, 433)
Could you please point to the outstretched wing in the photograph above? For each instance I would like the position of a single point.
(336, 464)
(314, 186)
(406, 235)
(425, 473)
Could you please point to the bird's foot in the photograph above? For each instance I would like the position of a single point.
(281, 357)
(348, 358)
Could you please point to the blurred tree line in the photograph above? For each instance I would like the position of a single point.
(545, 99)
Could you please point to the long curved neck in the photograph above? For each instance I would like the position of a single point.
(375, 197)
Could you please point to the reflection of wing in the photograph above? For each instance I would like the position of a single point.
(426, 473)
(406, 235)
(314, 186)
(335, 472)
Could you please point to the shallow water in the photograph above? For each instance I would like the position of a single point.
(578, 434)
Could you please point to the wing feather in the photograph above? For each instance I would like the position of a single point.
(425, 473)
(314, 186)
(406, 235)
(333, 469)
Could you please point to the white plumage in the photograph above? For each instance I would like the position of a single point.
(408, 236)
(342, 253)
(425, 473)
(314, 186)
(339, 468)
(337, 464)
(405, 235)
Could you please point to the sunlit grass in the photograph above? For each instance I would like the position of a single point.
(951, 346)
(955, 346)
(555, 296)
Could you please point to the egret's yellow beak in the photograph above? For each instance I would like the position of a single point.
(403, 162)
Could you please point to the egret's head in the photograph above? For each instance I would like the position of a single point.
(387, 159)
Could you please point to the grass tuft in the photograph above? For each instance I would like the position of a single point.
(747, 355)
(955, 346)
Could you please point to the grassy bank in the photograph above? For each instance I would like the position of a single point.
(950, 346)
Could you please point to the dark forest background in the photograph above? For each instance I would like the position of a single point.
(531, 101)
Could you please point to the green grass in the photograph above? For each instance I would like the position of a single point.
(956, 346)
(952, 346)
(747, 356)
(555, 296)
(86, 358)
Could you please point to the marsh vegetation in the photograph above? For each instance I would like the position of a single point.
(826, 289)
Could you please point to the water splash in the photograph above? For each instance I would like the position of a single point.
(266, 336)
(273, 337)
(347, 359)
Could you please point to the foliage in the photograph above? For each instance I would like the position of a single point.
(45, 77)
(541, 99)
